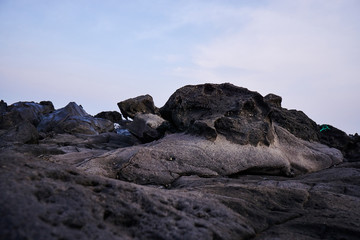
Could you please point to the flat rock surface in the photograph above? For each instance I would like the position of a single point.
(41, 199)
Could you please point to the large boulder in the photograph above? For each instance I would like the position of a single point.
(147, 127)
(24, 111)
(113, 116)
(211, 109)
(23, 132)
(140, 104)
(73, 119)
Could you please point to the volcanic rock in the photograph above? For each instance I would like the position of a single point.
(210, 109)
(222, 163)
(273, 100)
(42, 200)
(3, 107)
(140, 104)
(178, 155)
(113, 116)
(147, 127)
(24, 111)
(23, 132)
(73, 119)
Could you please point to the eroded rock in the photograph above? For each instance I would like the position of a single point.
(147, 127)
(25, 111)
(113, 116)
(73, 119)
(210, 109)
(140, 104)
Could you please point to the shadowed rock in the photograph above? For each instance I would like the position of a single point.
(24, 111)
(273, 100)
(140, 104)
(178, 155)
(113, 116)
(147, 127)
(23, 132)
(73, 119)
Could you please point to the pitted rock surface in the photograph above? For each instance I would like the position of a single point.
(210, 109)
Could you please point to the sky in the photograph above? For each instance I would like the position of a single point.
(100, 52)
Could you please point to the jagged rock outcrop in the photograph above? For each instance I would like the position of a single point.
(24, 111)
(300, 125)
(273, 100)
(235, 134)
(73, 119)
(140, 104)
(210, 109)
(221, 162)
(113, 116)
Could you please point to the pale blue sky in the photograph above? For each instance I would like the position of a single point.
(100, 52)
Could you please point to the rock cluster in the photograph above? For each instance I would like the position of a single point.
(217, 161)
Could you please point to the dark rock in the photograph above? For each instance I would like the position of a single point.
(273, 100)
(147, 127)
(140, 104)
(25, 111)
(3, 107)
(296, 122)
(237, 113)
(349, 146)
(113, 116)
(73, 119)
(41, 199)
(23, 132)
(300, 125)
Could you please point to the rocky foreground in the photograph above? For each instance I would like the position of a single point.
(215, 162)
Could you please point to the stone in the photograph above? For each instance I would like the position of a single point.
(140, 104)
(3, 107)
(23, 132)
(147, 127)
(73, 119)
(210, 109)
(25, 111)
(113, 116)
(41, 199)
(208, 176)
(176, 155)
(296, 122)
(349, 146)
(273, 100)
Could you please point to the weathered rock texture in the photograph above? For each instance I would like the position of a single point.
(113, 116)
(207, 110)
(221, 162)
(140, 104)
(73, 119)
(148, 127)
(45, 200)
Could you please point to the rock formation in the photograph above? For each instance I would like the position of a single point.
(73, 119)
(113, 116)
(140, 104)
(215, 162)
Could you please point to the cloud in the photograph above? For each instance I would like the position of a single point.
(306, 51)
